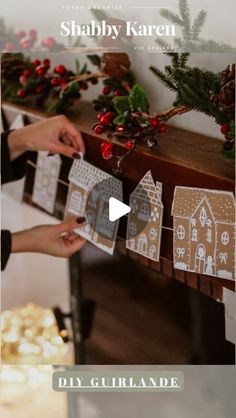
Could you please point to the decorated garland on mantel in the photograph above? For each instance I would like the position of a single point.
(123, 106)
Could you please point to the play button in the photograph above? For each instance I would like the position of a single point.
(117, 209)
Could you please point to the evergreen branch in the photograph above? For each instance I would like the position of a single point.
(163, 78)
(183, 59)
(186, 18)
(198, 24)
(172, 17)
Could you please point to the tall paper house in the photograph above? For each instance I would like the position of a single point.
(89, 192)
(204, 231)
(145, 219)
(46, 179)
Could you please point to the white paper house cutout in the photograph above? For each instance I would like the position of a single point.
(204, 231)
(45, 182)
(16, 189)
(146, 195)
(85, 200)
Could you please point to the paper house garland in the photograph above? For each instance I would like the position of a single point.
(16, 189)
(146, 217)
(89, 192)
(204, 231)
(45, 182)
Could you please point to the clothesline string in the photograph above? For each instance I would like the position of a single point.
(64, 183)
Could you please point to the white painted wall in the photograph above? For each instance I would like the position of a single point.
(46, 17)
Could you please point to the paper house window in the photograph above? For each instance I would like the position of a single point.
(89, 192)
(46, 179)
(145, 219)
(208, 218)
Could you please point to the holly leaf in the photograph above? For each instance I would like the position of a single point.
(95, 60)
(121, 104)
(120, 119)
(138, 99)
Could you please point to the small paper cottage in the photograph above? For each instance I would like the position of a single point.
(46, 179)
(145, 219)
(89, 192)
(204, 231)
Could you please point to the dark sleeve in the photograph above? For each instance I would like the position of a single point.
(11, 170)
(5, 248)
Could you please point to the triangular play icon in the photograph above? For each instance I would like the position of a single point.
(117, 209)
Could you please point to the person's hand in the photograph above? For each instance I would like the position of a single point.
(56, 135)
(56, 240)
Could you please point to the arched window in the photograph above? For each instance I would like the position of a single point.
(133, 228)
(153, 233)
(180, 232)
(75, 202)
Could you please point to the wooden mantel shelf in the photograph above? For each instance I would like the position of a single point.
(183, 158)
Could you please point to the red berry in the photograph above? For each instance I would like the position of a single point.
(84, 85)
(117, 93)
(64, 83)
(60, 69)
(49, 42)
(224, 129)
(41, 70)
(9, 46)
(106, 90)
(94, 80)
(33, 35)
(23, 80)
(46, 63)
(27, 73)
(21, 34)
(106, 118)
(228, 145)
(55, 81)
(21, 93)
(154, 122)
(36, 63)
(25, 43)
(110, 115)
(106, 146)
(129, 144)
(39, 89)
(120, 128)
(162, 128)
(107, 154)
(98, 129)
(99, 116)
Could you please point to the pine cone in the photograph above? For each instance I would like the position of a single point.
(12, 66)
(226, 97)
(116, 65)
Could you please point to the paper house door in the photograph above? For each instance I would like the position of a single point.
(45, 182)
(145, 219)
(204, 231)
(89, 192)
(16, 189)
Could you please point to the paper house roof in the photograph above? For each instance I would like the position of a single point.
(87, 176)
(148, 190)
(187, 199)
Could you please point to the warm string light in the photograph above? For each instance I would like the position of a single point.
(30, 336)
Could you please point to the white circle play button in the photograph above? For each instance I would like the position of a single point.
(117, 209)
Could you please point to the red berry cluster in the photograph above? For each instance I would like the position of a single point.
(21, 40)
(228, 130)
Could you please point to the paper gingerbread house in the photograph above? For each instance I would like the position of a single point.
(145, 219)
(89, 192)
(204, 231)
(45, 182)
